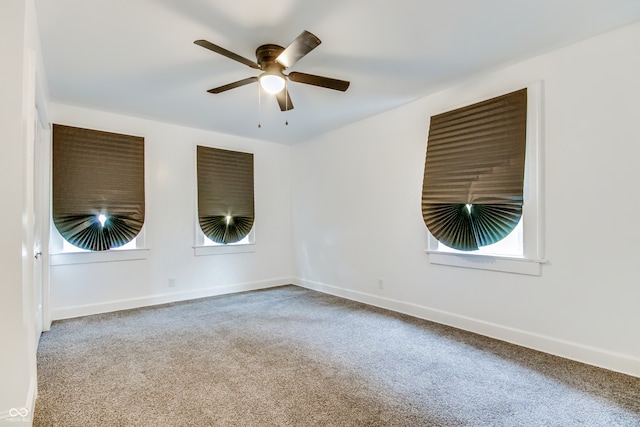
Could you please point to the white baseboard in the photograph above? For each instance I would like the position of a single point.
(126, 304)
(599, 357)
(21, 415)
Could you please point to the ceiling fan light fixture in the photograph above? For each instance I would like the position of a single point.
(272, 60)
(272, 83)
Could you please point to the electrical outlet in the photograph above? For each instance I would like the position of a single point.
(172, 283)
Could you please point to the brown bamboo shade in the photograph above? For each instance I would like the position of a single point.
(95, 173)
(225, 194)
(474, 172)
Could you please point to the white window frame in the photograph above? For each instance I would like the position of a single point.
(532, 218)
(204, 246)
(72, 255)
(59, 255)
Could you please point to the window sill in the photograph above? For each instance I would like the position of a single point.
(65, 258)
(505, 264)
(223, 249)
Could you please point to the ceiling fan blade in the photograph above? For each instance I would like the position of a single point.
(312, 79)
(298, 48)
(224, 52)
(284, 100)
(233, 85)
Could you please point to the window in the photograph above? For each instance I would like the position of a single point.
(481, 184)
(98, 198)
(225, 200)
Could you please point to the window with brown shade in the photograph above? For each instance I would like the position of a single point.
(98, 198)
(225, 194)
(474, 172)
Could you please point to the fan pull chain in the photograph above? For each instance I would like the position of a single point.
(259, 107)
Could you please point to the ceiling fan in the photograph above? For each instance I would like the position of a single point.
(273, 60)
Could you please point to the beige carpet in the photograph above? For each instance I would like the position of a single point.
(293, 357)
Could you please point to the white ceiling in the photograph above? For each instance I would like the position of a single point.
(137, 57)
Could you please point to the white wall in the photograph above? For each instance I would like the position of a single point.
(357, 218)
(80, 289)
(19, 60)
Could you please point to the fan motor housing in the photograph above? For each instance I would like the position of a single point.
(266, 56)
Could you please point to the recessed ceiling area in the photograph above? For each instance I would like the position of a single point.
(138, 58)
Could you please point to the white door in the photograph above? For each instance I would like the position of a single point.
(37, 229)
(41, 167)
